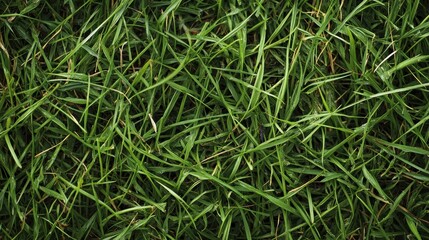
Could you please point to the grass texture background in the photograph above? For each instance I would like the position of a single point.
(214, 119)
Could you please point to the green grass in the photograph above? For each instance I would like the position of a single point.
(214, 119)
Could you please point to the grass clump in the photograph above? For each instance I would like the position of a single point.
(214, 119)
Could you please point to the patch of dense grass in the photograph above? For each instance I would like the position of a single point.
(214, 119)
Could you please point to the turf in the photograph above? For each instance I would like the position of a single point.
(214, 119)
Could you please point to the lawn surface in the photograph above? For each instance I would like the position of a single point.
(214, 119)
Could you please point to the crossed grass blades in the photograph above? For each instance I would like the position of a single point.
(214, 119)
